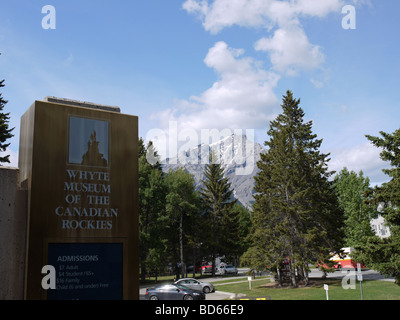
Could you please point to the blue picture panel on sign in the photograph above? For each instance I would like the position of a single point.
(86, 271)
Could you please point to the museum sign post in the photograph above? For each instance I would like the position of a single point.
(79, 162)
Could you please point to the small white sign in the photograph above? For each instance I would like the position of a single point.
(249, 279)
(359, 274)
(326, 287)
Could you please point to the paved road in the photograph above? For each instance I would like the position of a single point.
(367, 274)
(315, 273)
(218, 295)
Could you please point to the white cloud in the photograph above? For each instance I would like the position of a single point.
(290, 50)
(243, 94)
(363, 157)
(242, 97)
(226, 13)
(219, 14)
(196, 7)
(318, 8)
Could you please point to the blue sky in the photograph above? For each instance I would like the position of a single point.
(207, 64)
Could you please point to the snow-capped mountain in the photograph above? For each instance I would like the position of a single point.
(237, 154)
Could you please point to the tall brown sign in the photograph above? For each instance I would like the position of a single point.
(81, 168)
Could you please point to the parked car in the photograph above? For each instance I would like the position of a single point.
(229, 269)
(173, 292)
(196, 285)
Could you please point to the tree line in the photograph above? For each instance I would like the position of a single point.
(181, 226)
(302, 216)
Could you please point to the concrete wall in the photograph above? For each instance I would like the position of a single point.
(13, 222)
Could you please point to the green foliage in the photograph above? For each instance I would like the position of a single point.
(181, 204)
(5, 131)
(181, 198)
(295, 214)
(244, 226)
(352, 190)
(223, 235)
(152, 192)
(176, 227)
(384, 254)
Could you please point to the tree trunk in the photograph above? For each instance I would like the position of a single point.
(183, 267)
(194, 261)
(305, 274)
(213, 264)
(215, 237)
(177, 273)
(292, 273)
(143, 272)
(279, 277)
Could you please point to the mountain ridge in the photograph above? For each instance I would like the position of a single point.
(238, 156)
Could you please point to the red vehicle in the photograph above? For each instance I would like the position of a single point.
(343, 262)
(206, 268)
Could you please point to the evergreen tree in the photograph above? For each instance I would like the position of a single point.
(152, 192)
(296, 218)
(5, 132)
(181, 203)
(351, 191)
(244, 224)
(384, 254)
(195, 237)
(218, 201)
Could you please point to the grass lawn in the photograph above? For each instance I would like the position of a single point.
(372, 290)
